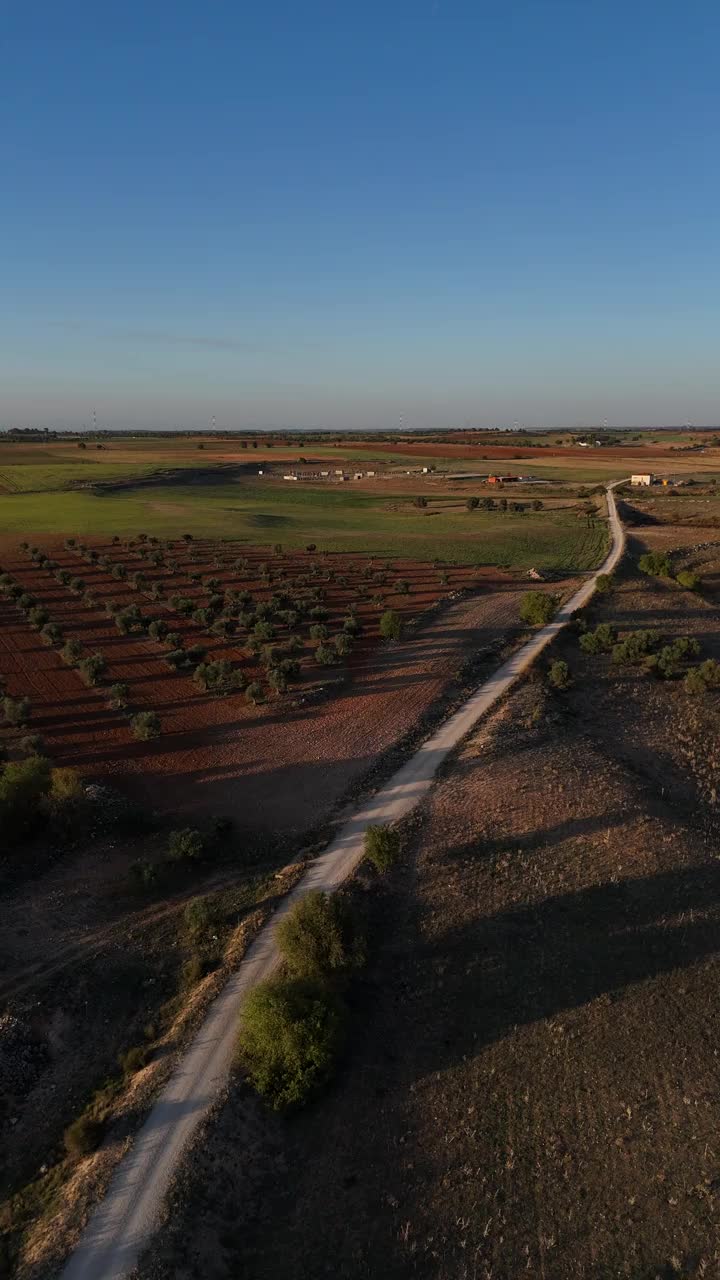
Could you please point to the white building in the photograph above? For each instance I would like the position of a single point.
(642, 479)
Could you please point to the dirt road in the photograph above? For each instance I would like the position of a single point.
(122, 1225)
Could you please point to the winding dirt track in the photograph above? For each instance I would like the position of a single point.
(122, 1225)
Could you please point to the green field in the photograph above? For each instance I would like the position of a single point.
(336, 520)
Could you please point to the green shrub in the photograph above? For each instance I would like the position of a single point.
(217, 677)
(472, 503)
(710, 672)
(15, 711)
(38, 617)
(635, 647)
(537, 607)
(195, 968)
(290, 1036)
(278, 681)
(703, 677)
(158, 629)
(83, 1136)
(318, 632)
(391, 625)
(24, 786)
(145, 725)
(656, 564)
(31, 745)
(198, 916)
(134, 1059)
(601, 640)
(182, 604)
(51, 633)
(325, 656)
(672, 658)
(382, 847)
(92, 669)
(689, 580)
(186, 845)
(70, 652)
(559, 674)
(254, 692)
(317, 938)
(118, 696)
(343, 644)
(604, 583)
(66, 786)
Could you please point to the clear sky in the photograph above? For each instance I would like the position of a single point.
(359, 213)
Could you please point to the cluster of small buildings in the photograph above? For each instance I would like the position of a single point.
(646, 478)
(337, 476)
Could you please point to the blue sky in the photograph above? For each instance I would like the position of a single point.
(427, 212)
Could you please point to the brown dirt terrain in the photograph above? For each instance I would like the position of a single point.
(532, 1085)
(276, 767)
(85, 960)
(479, 450)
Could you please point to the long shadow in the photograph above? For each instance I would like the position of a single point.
(486, 847)
(531, 963)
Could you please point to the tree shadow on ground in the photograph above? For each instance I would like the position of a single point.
(531, 963)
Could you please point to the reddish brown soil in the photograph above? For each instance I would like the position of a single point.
(278, 767)
(67, 714)
(531, 1087)
(477, 449)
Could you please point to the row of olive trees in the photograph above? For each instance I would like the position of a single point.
(91, 667)
(489, 504)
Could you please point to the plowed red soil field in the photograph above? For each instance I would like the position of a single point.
(477, 449)
(276, 767)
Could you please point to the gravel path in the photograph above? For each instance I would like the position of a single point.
(122, 1225)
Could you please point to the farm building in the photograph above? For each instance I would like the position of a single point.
(644, 479)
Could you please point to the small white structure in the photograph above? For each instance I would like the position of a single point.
(290, 476)
(643, 479)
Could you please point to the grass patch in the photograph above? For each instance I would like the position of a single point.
(338, 520)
